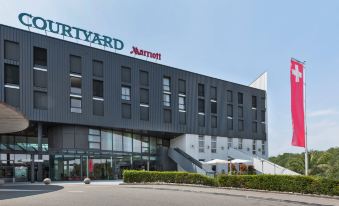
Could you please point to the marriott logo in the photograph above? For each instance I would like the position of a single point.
(140, 52)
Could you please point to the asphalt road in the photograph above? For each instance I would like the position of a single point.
(142, 195)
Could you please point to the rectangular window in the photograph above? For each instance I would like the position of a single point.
(263, 128)
(167, 100)
(254, 127)
(240, 98)
(12, 74)
(182, 86)
(201, 144)
(144, 113)
(136, 143)
(240, 143)
(117, 141)
(12, 51)
(76, 104)
(144, 96)
(254, 147)
(201, 120)
(201, 90)
(214, 121)
(98, 68)
(213, 107)
(12, 96)
(126, 93)
(213, 93)
(40, 78)
(229, 96)
(229, 143)
(230, 110)
(241, 125)
(126, 111)
(106, 140)
(240, 112)
(98, 88)
(166, 83)
(94, 139)
(229, 124)
(254, 102)
(213, 144)
(75, 85)
(40, 100)
(127, 141)
(182, 103)
(263, 148)
(40, 57)
(126, 74)
(143, 78)
(167, 116)
(254, 114)
(201, 106)
(182, 117)
(75, 64)
(98, 107)
(263, 116)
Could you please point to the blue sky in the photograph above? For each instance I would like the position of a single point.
(232, 40)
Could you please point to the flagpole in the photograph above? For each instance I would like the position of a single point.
(306, 150)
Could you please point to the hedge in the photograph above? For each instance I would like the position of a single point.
(285, 183)
(137, 176)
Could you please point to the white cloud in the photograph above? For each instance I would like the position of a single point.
(324, 112)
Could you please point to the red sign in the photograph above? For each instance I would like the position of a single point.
(90, 165)
(297, 103)
(145, 53)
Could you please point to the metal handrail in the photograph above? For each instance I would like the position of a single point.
(189, 157)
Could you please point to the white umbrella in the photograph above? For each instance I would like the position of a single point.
(240, 161)
(215, 161)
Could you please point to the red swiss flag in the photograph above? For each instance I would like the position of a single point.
(297, 103)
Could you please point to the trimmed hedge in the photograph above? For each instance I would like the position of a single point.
(284, 183)
(137, 176)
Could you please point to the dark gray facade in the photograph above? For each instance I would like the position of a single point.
(58, 91)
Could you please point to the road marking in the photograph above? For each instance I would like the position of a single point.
(75, 191)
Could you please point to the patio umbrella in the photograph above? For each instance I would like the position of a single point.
(215, 161)
(238, 161)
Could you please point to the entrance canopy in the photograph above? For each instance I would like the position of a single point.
(11, 120)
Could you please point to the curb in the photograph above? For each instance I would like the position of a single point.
(236, 188)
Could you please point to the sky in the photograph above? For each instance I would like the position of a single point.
(232, 40)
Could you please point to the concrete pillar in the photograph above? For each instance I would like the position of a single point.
(39, 173)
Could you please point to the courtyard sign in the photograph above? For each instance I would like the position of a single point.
(70, 31)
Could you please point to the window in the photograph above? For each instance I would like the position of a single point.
(201, 106)
(126, 74)
(143, 78)
(12, 74)
(201, 144)
(98, 68)
(213, 144)
(98, 88)
(214, 121)
(241, 125)
(182, 86)
(254, 147)
(40, 78)
(263, 148)
(230, 110)
(240, 98)
(201, 90)
(40, 100)
(229, 142)
(94, 139)
(167, 100)
(75, 64)
(117, 141)
(254, 102)
(254, 114)
(254, 127)
(12, 51)
(213, 93)
(182, 117)
(144, 144)
(240, 112)
(76, 105)
(125, 93)
(127, 142)
(144, 113)
(182, 103)
(98, 107)
(167, 116)
(166, 83)
(40, 57)
(263, 128)
(126, 111)
(136, 143)
(229, 124)
(144, 96)
(75, 85)
(12, 96)
(229, 96)
(106, 140)
(213, 107)
(201, 120)
(240, 143)
(263, 116)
